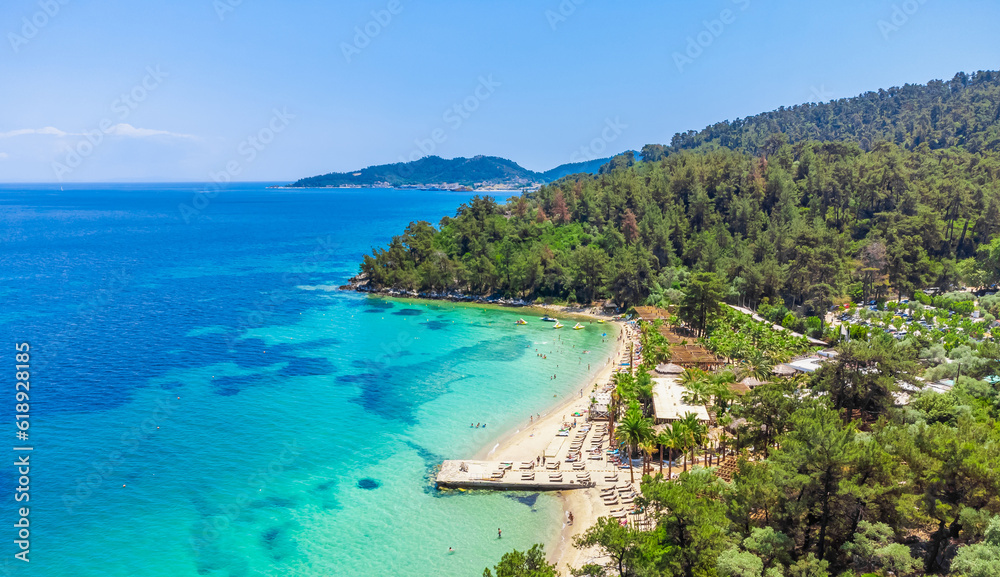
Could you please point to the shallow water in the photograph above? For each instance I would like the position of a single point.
(204, 402)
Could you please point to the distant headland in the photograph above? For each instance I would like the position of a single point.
(476, 173)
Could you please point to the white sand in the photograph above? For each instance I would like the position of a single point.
(531, 441)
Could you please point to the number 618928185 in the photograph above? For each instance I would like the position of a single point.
(22, 375)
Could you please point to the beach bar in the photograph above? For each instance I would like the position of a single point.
(669, 405)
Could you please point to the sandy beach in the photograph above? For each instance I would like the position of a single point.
(536, 435)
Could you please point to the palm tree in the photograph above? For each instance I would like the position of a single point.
(672, 437)
(758, 366)
(725, 422)
(699, 392)
(720, 391)
(690, 376)
(647, 449)
(633, 431)
(624, 390)
(695, 433)
(643, 390)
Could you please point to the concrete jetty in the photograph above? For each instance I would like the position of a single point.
(516, 476)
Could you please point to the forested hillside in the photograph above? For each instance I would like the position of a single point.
(807, 223)
(964, 111)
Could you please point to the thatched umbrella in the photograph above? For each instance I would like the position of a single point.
(669, 369)
(784, 371)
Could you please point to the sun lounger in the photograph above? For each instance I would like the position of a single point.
(527, 476)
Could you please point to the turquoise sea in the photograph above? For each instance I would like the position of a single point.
(205, 402)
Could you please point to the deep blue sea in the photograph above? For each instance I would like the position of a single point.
(203, 401)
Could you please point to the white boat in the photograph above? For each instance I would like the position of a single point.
(577, 327)
(558, 325)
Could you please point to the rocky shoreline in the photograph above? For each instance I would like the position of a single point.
(359, 284)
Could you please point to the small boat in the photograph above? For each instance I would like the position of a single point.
(558, 325)
(577, 327)
(601, 321)
(521, 322)
(549, 319)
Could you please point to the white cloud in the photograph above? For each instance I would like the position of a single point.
(122, 129)
(132, 132)
(3, 155)
(23, 131)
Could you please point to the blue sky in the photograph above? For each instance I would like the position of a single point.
(541, 82)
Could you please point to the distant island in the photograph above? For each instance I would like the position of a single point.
(476, 173)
